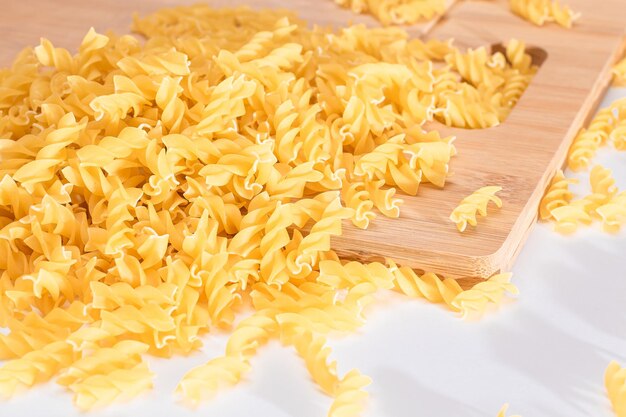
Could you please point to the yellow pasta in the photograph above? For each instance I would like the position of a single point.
(148, 189)
(618, 136)
(541, 12)
(557, 195)
(570, 216)
(475, 204)
(349, 395)
(602, 189)
(482, 294)
(615, 383)
(589, 140)
(397, 12)
(502, 412)
(613, 213)
(619, 73)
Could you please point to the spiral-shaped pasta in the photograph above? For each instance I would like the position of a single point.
(475, 204)
(619, 73)
(242, 345)
(480, 295)
(557, 195)
(615, 383)
(35, 332)
(428, 286)
(613, 213)
(602, 188)
(518, 57)
(349, 395)
(312, 349)
(618, 136)
(125, 354)
(35, 367)
(397, 13)
(568, 217)
(540, 12)
(98, 390)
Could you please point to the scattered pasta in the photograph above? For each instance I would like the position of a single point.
(605, 203)
(394, 12)
(473, 205)
(541, 12)
(407, 12)
(149, 189)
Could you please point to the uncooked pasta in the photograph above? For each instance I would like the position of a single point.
(615, 383)
(475, 205)
(397, 12)
(541, 12)
(150, 191)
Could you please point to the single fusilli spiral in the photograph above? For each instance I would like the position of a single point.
(540, 12)
(475, 204)
(478, 297)
(557, 195)
(349, 395)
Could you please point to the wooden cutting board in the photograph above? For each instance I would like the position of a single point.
(520, 155)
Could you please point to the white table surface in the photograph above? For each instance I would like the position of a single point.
(545, 352)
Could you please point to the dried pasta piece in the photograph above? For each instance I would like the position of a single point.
(557, 195)
(619, 73)
(475, 204)
(204, 380)
(589, 140)
(615, 383)
(613, 213)
(583, 150)
(480, 295)
(35, 367)
(602, 189)
(98, 390)
(395, 12)
(349, 395)
(428, 286)
(570, 216)
(502, 412)
(618, 136)
(541, 12)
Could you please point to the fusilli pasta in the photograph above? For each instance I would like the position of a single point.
(475, 204)
(148, 189)
(541, 12)
(615, 382)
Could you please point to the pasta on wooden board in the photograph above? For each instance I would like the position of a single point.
(150, 189)
(397, 12)
(541, 12)
(473, 205)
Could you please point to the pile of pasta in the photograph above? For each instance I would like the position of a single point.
(151, 191)
(402, 12)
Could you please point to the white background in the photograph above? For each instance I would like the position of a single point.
(545, 352)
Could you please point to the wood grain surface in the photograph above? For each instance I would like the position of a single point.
(520, 155)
